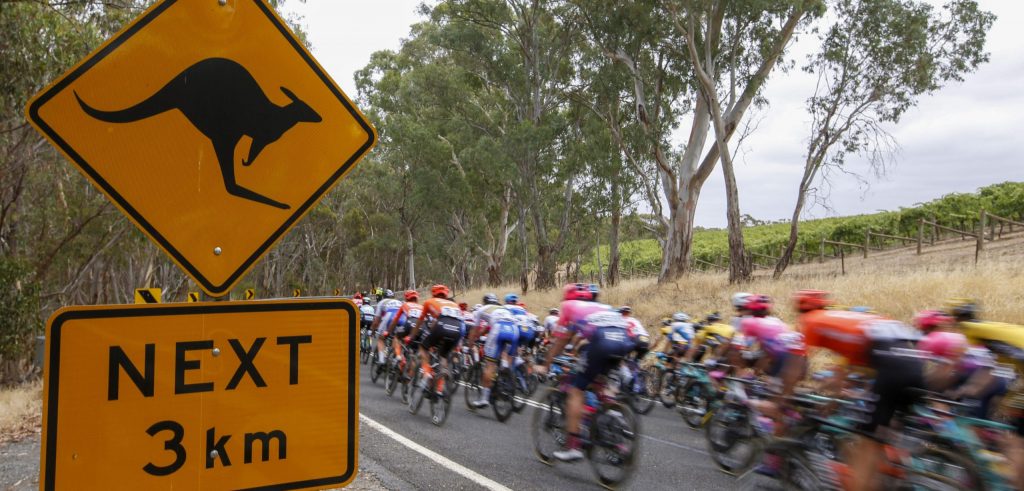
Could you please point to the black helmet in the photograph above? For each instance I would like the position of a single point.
(490, 299)
(713, 317)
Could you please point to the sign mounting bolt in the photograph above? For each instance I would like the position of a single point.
(216, 351)
(222, 2)
(217, 251)
(213, 454)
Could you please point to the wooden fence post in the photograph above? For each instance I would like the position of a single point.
(981, 235)
(842, 259)
(920, 235)
(867, 242)
(821, 255)
(935, 229)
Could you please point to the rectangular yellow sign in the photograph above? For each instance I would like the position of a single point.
(210, 396)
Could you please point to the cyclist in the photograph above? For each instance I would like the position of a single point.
(739, 304)
(383, 317)
(550, 322)
(605, 333)
(679, 332)
(357, 299)
(524, 321)
(402, 321)
(873, 342)
(445, 330)
(637, 332)
(713, 334)
(976, 377)
(502, 331)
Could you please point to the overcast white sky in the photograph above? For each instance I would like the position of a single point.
(959, 139)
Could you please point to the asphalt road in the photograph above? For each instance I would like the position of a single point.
(672, 456)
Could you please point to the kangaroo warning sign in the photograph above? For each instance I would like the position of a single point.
(210, 126)
(254, 395)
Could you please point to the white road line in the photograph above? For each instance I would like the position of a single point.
(430, 454)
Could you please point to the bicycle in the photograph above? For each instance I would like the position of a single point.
(635, 390)
(395, 373)
(375, 369)
(609, 432)
(439, 392)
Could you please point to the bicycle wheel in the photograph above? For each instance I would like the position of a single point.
(416, 393)
(532, 381)
(455, 361)
(520, 394)
(473, 390)
(548, 426)
(798, 474)
(615, 444)
(667, 389)
(503, 395)
(441, 404)
(367, 346)
(946, 468)
(732, 441)
(390, 375)
(640, 400)
(694, 402)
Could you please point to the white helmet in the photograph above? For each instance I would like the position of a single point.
(739, 299)
(680, 317)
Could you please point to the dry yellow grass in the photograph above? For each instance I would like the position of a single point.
(20, 410)
(896, 290)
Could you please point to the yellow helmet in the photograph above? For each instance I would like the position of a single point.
(666, 330)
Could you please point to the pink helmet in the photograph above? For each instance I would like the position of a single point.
(577, 291)
(928, 320)
(943, 344)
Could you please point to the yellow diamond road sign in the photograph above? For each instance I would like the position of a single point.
(204, 396)
(210, 126)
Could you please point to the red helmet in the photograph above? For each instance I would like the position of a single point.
(440, 290)
(758, 303)
(577, 291)
(412, 295)
(464, 306)
(928, 320)
(357, 295)
(808, 300)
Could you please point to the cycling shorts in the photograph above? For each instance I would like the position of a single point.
(503, 338)
(385, 322)
(403, 329)
(605, 350)
(895, 380)
(444, 335)
(526, 337)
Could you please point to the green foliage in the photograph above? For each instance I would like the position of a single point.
(19, 309)
(957, 210)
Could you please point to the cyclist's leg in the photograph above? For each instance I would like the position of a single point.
(593, 361)
(492, 353)
(895, 375)
(381, 335)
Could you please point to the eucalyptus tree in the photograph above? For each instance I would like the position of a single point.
(734, 45)
(520, 50)
(876, 59)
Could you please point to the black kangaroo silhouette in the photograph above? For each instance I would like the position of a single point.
(224, 102)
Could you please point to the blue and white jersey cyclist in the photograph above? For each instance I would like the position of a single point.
(523, 319)
(501, 345)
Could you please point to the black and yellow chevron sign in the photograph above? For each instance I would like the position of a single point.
(148, 295)
(337, 292)
(193, 297)
(297, 292)
(250, 294)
